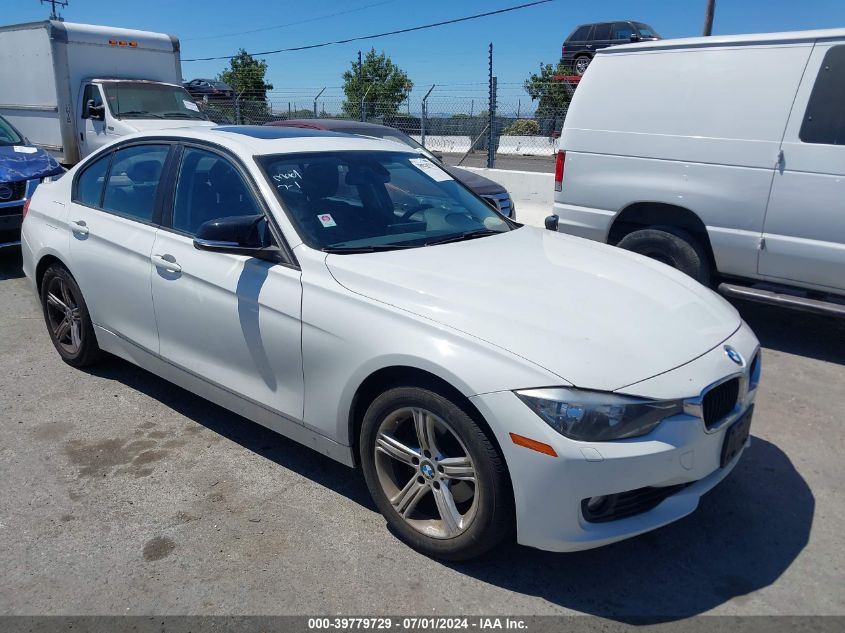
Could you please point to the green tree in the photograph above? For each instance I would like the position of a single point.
(553, 96)
(522, 127)
(385, 86)
(246, 76)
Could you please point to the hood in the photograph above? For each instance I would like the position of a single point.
(25, 162)
(145, 125)
(595, 315)
(478, 183)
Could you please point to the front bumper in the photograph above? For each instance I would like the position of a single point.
(548, 491)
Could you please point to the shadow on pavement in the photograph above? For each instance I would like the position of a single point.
(252, 436)
(794, 332)
(744, 535)
(10, 263)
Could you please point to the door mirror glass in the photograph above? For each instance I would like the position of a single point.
(634, 37)
(238, 235)
(96, 112)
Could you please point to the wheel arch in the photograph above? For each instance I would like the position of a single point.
(44, 263)
(641, 215)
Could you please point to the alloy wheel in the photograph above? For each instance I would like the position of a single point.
(64, 316)
(426, 472)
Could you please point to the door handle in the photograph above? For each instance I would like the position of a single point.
(79, 226)
(162, 261)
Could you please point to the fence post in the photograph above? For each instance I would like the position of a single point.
(315, 101)
(238, 119)
(424, 113)
(491, 112)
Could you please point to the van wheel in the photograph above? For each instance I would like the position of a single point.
(434, 474)
(581, 63)
(673, 247)
(68, 322)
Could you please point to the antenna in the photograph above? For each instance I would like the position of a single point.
(53, 3)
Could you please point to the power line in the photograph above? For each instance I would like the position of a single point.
(369, 37)
(282, 26)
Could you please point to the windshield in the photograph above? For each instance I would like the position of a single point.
(8, 134)
(645, 30)
(366, 201)
(150, 101)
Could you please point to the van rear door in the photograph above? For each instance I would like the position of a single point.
(804, 228)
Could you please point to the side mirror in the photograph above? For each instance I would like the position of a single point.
(96, 112)
(635, 38)
(238, 235)
(552, 222)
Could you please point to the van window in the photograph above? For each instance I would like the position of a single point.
(824, 120)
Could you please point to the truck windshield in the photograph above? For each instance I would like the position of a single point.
(366, 201)
(8, 134)
(150, 101)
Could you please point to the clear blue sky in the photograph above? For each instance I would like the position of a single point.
(453, 57)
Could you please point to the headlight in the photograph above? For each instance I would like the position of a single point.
(596, 416)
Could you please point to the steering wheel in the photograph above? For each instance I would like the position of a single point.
(413, 210)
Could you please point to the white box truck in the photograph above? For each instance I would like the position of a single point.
(72, 88)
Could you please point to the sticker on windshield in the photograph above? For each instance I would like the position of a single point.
(22, 149)
(431, 170)
(191, 105)
(326, 220)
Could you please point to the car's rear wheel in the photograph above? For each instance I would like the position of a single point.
(67, 318)
(673, 247)
(580, 64)
(434, 474)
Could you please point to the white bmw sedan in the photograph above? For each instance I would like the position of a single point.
(349, 294)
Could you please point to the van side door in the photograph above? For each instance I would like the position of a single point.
(92, 120)
(804, 229)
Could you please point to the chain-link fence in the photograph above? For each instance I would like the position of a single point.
(456, 126)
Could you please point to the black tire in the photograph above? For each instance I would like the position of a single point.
(672, 246)
(580, 64)
(87, 352)
(492, 518)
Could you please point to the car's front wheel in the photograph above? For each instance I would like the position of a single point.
(67, 318)
(434, 474)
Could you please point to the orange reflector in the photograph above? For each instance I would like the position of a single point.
(534, 445)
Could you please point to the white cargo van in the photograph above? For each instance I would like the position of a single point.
(721, 156)
(72, 88)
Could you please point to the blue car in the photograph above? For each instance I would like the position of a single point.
(22, 167)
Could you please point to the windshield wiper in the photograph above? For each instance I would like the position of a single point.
(140, 113)
(370, 248)
(187, 115)
(460, 237)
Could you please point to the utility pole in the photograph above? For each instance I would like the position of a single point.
(708, 17)
(53, 3)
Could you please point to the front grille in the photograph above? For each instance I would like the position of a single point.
(10, 191)
(719, 402)
(10, 211)
(502, 201)
(628, 504)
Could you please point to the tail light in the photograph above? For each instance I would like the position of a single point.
(25, 209)
(563, 50)
(561, 159)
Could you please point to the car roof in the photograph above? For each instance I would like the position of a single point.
(250, 140)
(748, 39)
(329, 124)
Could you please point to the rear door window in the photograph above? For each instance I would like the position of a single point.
(824, 119)
(601, 32)
(133, 181)
(89, 185)
(581, 34)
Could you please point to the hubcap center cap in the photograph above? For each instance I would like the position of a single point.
(427, 470)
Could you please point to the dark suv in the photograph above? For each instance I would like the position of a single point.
(582, 44)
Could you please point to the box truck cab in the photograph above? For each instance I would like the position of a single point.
(72, 88)
(725, 159)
